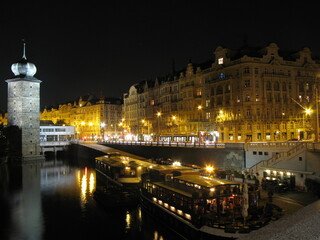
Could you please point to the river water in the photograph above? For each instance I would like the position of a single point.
(54, 200)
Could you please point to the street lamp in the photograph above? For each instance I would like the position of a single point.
(174, 118)
(144, 122)
(159, 130)
(102, 125)
(198, 129)
(209, 169)
(308, 111)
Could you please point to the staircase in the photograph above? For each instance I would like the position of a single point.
(278, 157)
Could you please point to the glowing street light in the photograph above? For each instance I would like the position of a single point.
(308, 111)
(159, 130)
(209, 169)
(198, 130)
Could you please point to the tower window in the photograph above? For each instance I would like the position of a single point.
(220, 61)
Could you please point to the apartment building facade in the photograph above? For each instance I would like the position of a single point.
(248, 94)
(93, 118)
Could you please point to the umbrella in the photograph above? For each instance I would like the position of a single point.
(245, 201)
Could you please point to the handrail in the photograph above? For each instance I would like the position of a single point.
(278, 157)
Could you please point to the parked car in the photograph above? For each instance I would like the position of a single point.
(278, 186)
(282, 186)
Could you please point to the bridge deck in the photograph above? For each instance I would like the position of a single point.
(105, 149)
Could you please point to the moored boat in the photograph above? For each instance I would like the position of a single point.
(121, 171)
(196, 206)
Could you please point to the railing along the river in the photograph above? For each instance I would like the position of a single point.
(168, 144)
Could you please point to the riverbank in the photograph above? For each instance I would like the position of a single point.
(300, 224)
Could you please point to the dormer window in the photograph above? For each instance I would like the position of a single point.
(220, 61)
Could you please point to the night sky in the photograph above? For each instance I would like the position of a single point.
(97, 49)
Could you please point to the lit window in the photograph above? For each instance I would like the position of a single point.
(239, 137)
(220, 61)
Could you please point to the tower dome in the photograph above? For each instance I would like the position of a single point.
(23, 67)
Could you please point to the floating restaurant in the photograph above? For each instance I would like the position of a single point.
(197, 206)
(121, 171)
(189, 200)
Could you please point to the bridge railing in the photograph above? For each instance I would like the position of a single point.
(168, 144)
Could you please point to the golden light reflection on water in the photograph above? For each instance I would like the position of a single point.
(91, 183)
(156, 236)
(128, 220)
(84, 189)
(139, 214)
(86, 181)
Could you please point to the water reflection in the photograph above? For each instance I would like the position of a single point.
(23, 196)
(54, 200)
(86, 180)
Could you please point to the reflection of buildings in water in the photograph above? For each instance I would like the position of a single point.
(4, 178)
(54, 174)
(26, 212)
(86, 180)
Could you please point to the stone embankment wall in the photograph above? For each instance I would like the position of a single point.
(226, 158)
(82, 154)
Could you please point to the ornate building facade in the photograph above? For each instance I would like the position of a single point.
(93, 118)
(249, 94)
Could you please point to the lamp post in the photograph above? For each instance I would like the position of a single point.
(82, 128)
(102, 125)
(199, 118)
(174, 118)
(143, 121)
(159, 130)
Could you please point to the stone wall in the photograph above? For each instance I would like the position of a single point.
(228, 158)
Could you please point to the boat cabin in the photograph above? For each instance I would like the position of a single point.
(196, 198)
(122, 170)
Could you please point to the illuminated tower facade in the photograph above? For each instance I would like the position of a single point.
(24, 108)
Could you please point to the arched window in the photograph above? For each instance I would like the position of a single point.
(276, 86)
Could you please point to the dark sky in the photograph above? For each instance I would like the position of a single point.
(97, 49)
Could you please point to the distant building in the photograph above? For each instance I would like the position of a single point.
(24, 110)
(248, 94)
(93, 118)
(53, 133)
(53, 137)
